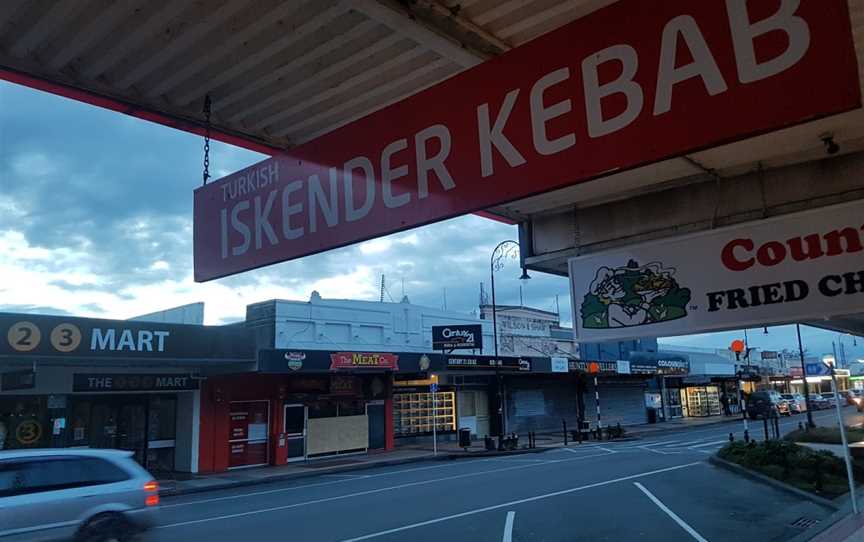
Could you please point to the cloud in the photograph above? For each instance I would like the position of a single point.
(95, 220)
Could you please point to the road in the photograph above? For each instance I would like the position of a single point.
(654, 489)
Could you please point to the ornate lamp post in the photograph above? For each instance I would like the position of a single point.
(503, 251)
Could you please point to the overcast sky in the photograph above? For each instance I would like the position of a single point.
(96, 220)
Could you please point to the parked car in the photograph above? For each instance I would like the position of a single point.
(829, 396)
(796, 402)
(817, 402)
(82, 495)
(852, 397)
(760, 404)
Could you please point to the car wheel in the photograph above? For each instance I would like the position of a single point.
(106, 528)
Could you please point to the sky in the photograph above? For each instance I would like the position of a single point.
(96, 220)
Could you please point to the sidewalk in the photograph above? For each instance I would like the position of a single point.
(679, 424)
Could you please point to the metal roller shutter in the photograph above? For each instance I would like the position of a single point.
(620, 402)
(539, 405)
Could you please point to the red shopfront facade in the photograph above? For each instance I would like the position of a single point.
(300, 405)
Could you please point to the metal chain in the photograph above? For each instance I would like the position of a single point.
(207, 104)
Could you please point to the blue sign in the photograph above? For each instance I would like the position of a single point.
(433, 387)
(817, 369)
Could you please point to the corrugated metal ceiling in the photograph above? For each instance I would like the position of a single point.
(283, 72)
(279, 72)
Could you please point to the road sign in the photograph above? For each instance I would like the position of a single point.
(433, 387)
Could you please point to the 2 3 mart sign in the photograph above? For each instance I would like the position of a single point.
(788, 269)
(628, 85)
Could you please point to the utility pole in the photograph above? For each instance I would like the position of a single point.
(843, 439)
(804, 378)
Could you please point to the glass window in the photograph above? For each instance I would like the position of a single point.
(322, 409)
(162, 418)
(295, 419)
(99, 471)
(11, 478)
(351, 407)
(24, 423)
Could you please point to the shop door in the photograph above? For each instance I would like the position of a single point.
(132, 430)
(248, 437)
(377, 425)
(295, 431)
(120, 423)
(481, 408)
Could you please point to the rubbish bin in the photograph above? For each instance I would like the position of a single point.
(652, 415)
(464, 437)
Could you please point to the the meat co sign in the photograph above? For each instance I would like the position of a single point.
(361, 361)
(793, 268)
(630, 84)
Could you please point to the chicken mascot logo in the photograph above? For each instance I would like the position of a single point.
(633, 295)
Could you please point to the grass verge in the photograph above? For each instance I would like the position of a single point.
(818, 472)
(825, 435)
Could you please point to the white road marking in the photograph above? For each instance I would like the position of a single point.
(516, 460)
(652, 450)
(520, 501)
(292, 488)
(345, 476)
(716, 442)
(608, 450)
(662, 443)
(508, 527)
(670, 513)
(687, 444)
(362, 493)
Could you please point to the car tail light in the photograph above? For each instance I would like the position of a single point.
(151, 487)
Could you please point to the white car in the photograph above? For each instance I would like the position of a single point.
(74, 494)
(796, 401)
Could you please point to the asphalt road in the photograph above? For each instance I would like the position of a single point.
(654, 489)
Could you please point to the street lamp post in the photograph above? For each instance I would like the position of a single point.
(804, 378)
(502, 251)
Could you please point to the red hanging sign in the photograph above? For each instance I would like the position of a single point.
(628, 85)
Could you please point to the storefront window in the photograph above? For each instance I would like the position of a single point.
(24, 423)
(323, 409)
(162, 421)
(331, 408)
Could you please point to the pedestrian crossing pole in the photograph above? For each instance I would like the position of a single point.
(597, 403)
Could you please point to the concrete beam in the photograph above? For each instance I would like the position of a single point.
(692, 208)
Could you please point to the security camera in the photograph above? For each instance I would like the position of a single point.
(831, 147)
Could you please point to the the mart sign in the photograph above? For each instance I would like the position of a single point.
(626, 86)
(793, 268)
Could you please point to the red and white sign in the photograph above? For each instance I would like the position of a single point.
(628, 85)
(792, 268)
(358, 360)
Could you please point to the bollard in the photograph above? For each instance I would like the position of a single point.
(564, 424)
(579, 431)
(747, 436)
(765, 422)
(800, 426)
(777, 428)
(731, 437)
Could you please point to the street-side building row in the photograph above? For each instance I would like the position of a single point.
(194, 398)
